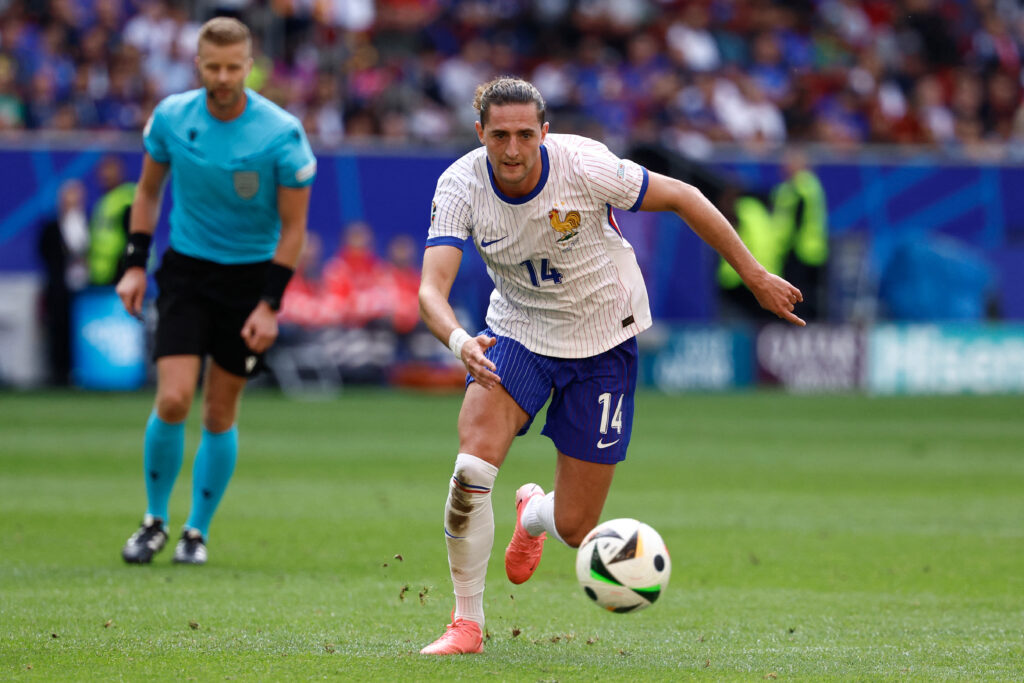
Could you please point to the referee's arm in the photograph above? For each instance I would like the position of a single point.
(260, 328)
(144, 213)
(293, 208)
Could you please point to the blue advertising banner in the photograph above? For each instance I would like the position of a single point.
(946, 359)
(108, 345)
(697, 358)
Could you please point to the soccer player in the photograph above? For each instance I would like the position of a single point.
(567, 304)
(241, 170)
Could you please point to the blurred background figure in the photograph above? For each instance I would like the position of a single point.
(801, 217)
(304, 301)
(355, 278)
(108, 227)
(63, 245)
(403, 281)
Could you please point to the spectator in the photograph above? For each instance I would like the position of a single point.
(108, 229)
(63, 243)
(403, 281)
(839, 72)
(304, 300)
(354, 278)
(12, 107)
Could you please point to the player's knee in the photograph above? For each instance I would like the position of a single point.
(217, 418)
(474, 470)
(172, 405)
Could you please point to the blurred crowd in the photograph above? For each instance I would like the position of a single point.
(355, 287)
(689, 74)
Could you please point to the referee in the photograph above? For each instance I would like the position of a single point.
(240, 169)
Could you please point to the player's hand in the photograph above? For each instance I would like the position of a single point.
(477, 364)
(131, 288)
(778, 296)
(260, 328)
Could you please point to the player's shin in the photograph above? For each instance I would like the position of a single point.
(163, 451)
(469, 532)
(211, 472)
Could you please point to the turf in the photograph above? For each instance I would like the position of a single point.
(812, 538)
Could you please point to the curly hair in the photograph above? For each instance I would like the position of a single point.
(507, 90)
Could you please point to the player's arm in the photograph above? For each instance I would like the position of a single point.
(260, 328)
(440, 266)
(144, 214)
(771, 291)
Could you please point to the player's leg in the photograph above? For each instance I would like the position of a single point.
(163, 450)
(488, 422)
(215, 459)
(231, 293)
(582, 489)
(590, 419)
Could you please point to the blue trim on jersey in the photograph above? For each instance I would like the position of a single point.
(643, 191)
(544, 168)
(448, 241)
(611, 220)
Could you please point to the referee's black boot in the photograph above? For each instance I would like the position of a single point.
(146, 542)
(191, 548)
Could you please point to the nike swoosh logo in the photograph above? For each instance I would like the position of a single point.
(485, 243)
(602, 444)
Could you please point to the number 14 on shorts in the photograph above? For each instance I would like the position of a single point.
(609, 419)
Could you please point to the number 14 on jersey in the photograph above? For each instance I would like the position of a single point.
(546, 272)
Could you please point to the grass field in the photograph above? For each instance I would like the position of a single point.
(812, 538)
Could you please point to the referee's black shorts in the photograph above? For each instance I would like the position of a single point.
(201, 307)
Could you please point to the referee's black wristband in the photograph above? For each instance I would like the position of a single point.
(273, 289)
(136, 251)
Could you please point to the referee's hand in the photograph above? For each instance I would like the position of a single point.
(260, 328)
(131, 288)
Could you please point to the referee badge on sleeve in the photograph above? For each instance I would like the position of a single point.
(247, 183)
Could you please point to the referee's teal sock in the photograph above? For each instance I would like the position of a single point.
(163, 449)
(215, 463)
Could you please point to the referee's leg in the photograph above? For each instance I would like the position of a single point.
(218, 446)
(165, 432)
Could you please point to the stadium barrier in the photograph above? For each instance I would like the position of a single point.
(888, 359)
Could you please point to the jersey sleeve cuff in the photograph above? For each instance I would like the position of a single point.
(446, 241)
(156, 154)
(643, 191)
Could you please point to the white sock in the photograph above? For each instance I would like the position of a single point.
(539, 516)
(469, 532)
(470, 607)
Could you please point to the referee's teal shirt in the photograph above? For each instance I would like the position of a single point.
(225, 174)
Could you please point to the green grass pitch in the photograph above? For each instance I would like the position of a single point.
(812, 538)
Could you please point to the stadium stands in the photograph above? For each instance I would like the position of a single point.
(842, 73)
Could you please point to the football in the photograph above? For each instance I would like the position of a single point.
(623, 565)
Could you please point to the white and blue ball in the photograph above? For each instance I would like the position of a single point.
(623, 565)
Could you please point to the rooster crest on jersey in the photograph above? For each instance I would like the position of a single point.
(568, 227)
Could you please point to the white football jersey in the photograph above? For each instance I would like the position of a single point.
(566, 282)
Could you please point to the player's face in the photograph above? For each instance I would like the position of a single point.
(222, 70)
(513, 136)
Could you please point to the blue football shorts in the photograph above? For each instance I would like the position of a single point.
(591, 413)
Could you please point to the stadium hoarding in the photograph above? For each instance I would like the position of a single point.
(677, 359)
(946, 359)
(816, 358)
(108, 345)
